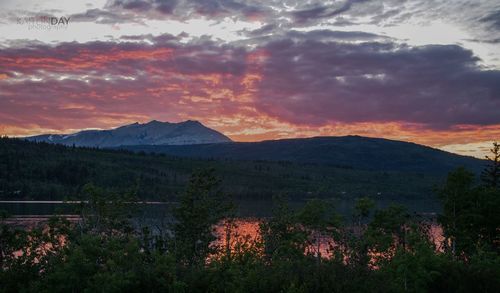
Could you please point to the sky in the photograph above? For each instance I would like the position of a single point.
(421, 71)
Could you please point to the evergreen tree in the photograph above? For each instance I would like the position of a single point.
(362, 209)
(283, 239)
(388, 231)
(321, 225)
(200, 208)
(457, 197)
(491, 174)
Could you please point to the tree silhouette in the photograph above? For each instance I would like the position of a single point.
(201, 207)
(491, 174)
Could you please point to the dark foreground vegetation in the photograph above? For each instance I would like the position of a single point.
(376, 251)
(41, 171)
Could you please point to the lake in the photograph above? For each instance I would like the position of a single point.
(156, 214)
(249, 215)
(244, 208)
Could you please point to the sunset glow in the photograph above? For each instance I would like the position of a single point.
(257, 72)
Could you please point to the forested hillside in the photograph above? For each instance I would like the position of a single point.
(31, 170)
(355, 152)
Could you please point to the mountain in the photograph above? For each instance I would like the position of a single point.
(192, 139)
(347, 152)
(152, 133)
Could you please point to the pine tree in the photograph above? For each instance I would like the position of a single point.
(201, 207)
(491, 174)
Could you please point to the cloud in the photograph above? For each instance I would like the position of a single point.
(103, 17)
(310, 68)
(163, 6)
(98, 83)
(304, 78)
(493, 20)
(263, 30)
(438, 86)
(319, 11)
(324, 35)
(184, 9)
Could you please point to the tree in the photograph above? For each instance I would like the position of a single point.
(201, 207)
(283, 239)
(470, 216)
(28, 255)
(487, 218)
(104, 212)
(358, 247)
(457, 198)
(321, 223)
(491, 174)
(94, 263)
(362, 209)
(415, 270)
(388, 231)
(490, 200)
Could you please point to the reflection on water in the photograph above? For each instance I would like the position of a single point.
(236, 236)
(153, 212)
(246, 233)
(241, 233)
(436, 236)
(245, 229)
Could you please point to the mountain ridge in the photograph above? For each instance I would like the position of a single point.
(150, 133)
(193, 140)
(351, 151)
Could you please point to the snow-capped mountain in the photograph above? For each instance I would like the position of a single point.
(151, 133)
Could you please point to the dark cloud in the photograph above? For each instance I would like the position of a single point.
(332, 35)
(162, 6)
(310, 78)
(264, 30)
(303, 15)
(200, 56)
(166, 6)
(320, 11)
(102, 16)
(186, 8)
(485, 41)
(437, 86)
(133, 4)
(161, 39)
(493, 20)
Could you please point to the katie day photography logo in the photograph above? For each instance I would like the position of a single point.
(44, 22)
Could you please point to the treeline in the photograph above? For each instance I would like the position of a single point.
(377, 251)
(41, 171)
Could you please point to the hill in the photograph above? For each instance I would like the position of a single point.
(30, 170)
(354, 152)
